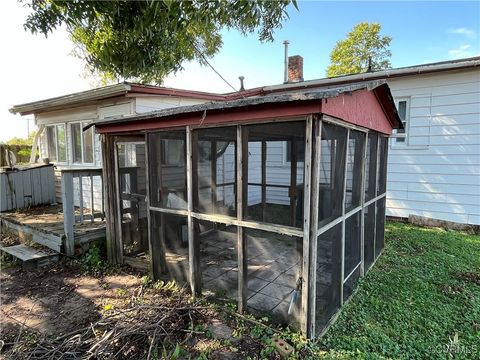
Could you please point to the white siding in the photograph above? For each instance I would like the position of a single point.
(151, 103)
(437, 174)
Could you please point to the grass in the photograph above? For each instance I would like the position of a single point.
(421, 300)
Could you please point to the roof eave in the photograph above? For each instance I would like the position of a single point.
(71, 99)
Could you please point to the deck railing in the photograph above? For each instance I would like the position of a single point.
(82, 200)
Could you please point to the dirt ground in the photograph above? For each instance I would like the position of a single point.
(58, 300)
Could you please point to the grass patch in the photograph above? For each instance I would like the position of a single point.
(420, 301)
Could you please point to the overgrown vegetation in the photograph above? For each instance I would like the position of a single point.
(420, 301)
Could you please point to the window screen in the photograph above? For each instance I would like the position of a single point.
(332, 170)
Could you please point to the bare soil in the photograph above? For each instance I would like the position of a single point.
(56, 301)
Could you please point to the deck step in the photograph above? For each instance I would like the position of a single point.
(29, 257)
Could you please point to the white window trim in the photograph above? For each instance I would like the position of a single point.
(56, 142)
(395, 135)
(72, 157)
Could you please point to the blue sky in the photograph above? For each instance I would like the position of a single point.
(422, 32)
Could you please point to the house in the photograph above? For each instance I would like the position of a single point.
(434, 163)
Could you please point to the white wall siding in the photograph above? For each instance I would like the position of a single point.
(151, 103)
(437, 174)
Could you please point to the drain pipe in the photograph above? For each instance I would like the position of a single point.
(285, 75)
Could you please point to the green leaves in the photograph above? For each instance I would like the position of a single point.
(146, 40)
(363, 47)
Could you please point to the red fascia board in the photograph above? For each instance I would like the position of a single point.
(212, 117)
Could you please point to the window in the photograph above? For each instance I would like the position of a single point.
(56, 141)
(403, 112)
(82, 143)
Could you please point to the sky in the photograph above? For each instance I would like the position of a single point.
(36, 68)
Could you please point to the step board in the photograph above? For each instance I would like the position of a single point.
(30, 258)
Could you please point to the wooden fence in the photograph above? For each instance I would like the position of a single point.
(22, 188)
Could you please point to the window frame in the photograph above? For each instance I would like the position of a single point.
(82, 124)
(406, 123)
(55, 130)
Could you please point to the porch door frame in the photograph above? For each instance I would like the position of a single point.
(138, 139)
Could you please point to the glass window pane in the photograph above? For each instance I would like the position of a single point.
(77, 142)
(88, 145)
(327, 297)
(61, 141)
(274, 271)
(371, 167)
(214, 160)
(332, 170)
(168, 179)
(353, 193)
(275, 186)
(52, 143)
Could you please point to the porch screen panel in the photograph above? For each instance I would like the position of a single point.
(169, 241)
(214, 164)
(167, 169)
(380, 227)
(369, 236)
(274, 264)
(332, 170)
(353, 233)
(276, 157)
(371, 167)
(353, 193)
(133, 191)
(218, 258)
(382, 167)
(328, 276)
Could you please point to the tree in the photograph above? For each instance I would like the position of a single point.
(363, 49)
(146, 40)
(22, 141)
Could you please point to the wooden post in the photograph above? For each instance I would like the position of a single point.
(193, 244)
(92, 199)
(68, 213)
(314, 203)
(362, 202)
(264, 179)
(342, 264)
(80, 195)
(306, 282)
(242, 188)
(213, 169)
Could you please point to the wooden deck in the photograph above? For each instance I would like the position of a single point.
(45, 225)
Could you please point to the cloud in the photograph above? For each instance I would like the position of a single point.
(463, 31)
(462, 51)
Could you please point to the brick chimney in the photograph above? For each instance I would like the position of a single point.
(295, 68)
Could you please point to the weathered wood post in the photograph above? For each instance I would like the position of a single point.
(68, 213)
